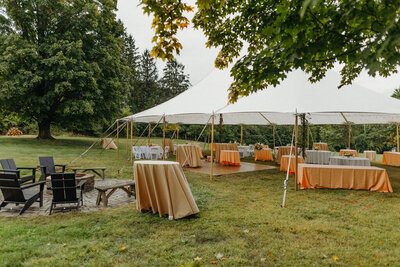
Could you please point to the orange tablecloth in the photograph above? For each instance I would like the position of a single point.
(264, 154)
(320, 146)
(162, 187)
(283, 150)
(346, 177)
(351, 151)
(230, 157)
(224, 146)
(391, 158)
(370, 154)
(285, 163)
(170, 143)
(188, 155)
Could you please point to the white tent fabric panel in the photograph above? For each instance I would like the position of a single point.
(323, 103)
(195, 105)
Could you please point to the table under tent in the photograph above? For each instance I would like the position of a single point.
(295, 97)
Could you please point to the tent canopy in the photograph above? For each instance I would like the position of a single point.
(322, 102)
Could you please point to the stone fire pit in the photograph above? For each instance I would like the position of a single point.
(89, 185)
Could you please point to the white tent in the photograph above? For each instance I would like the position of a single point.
(323, 103)
(195, 105)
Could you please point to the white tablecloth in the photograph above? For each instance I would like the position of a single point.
(317, 157)
(350, 161)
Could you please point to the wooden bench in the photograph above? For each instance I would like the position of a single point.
(93, 169)
(105, 191)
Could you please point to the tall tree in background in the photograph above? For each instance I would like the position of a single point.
(60, 61)
(146, 90)
(131, 59)
(174, 80)
(396, 93)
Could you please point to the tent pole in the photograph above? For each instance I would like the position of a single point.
(308, 136)
(303, 122)
(212, 146)
(148, 142)
(163, 137)
(397, 138)
(131, 141)
(349, 134)
(117, 140)
(127, 137)
(295, 152)
(273, 135)
(241, 134)
(177, 134)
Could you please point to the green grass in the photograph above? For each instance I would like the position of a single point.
(240, 217)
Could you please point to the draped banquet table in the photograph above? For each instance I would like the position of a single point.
(161, 186)
(264, 154)
(283, 150)
(349, 161)
(391, 158)
(317, 157)
(348, 151)
(188, 155)
(223, 146)
(320, 146)
(230, 157)
(370, 154)
(285, 163)
(344, 177)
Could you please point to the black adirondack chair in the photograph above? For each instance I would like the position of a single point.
(14, 192)
(65, 191)
(9, 164)
(48, 167)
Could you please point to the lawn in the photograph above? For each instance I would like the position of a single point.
(240, 218)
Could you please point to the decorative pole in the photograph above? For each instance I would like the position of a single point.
(163, 137)
(295, 152)
(131, 141)
(212, 146)
(117, 140)
(241, 134)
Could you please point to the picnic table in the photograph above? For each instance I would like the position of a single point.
(93, 169)
(105, 191)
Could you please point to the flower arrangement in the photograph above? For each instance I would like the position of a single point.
(258, 146)
(347, 154)
(316, 148)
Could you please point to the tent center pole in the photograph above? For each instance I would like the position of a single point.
(117, 140)
(296, 152)
(212, 147)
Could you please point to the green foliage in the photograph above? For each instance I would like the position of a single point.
(174, 80)
(284, 35)
(60, 62)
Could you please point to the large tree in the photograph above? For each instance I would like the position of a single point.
(174, 80)
(280, 36)
(60, 61)
(146, 91)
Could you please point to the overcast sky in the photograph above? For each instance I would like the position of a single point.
(199, 60)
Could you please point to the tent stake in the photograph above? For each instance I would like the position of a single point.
(212, 147)
(117, 140)
(397, 138)
(295, 153)
(163, 137)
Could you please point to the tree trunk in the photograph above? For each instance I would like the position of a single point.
(44, 130)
